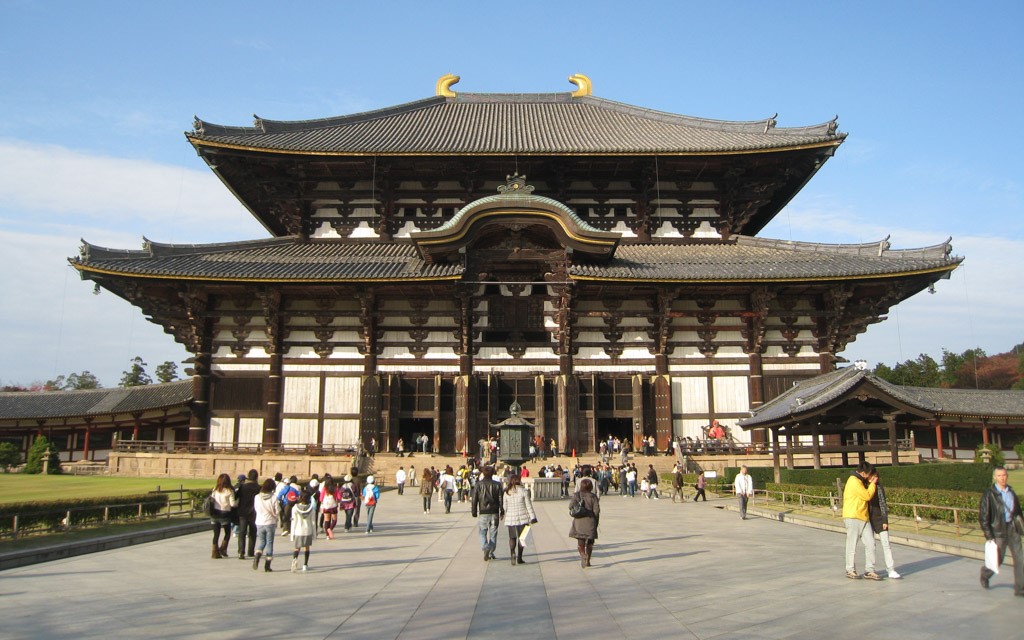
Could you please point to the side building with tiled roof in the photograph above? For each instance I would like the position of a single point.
(417, 282)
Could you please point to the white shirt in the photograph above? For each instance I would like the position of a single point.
(743, 484)
(400, 476)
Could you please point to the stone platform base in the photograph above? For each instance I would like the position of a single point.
(210, 465)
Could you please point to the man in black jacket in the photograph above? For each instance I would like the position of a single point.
(486, 501)
(999, 514)
(246, 495)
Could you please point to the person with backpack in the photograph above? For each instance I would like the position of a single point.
(330, 501)
(585, 509)
(288, 496)
(303, 529)
(371, 495)
(348, 501)
(222, 501)
(446, 485)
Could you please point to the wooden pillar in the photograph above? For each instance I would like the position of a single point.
(638, 415)
(843, 440)
(815, 447)
(789, 450)
(775, 454)
(275, 395)
(938, 439)
(756, 392)
(984, 432)
(88, 432)
(136, 425)
(567, 400)
(893, 448)
(466, 436)
(662, 384)
(199, 421)
(436, 440)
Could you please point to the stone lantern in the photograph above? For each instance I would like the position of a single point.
(515, 434)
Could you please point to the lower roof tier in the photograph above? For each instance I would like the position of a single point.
(290, 260)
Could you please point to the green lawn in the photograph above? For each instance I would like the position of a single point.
(1016, 479)
(16, 487)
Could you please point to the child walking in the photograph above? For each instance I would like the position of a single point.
(303, 529)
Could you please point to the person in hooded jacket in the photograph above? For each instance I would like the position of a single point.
(349, 501)
(267, 511)
(371, 495)
(303, 529)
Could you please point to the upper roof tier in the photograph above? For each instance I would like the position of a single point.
(514, 123)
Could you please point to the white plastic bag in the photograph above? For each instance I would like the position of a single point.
(992, 556)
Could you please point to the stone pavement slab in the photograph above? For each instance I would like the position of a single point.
(661, 570)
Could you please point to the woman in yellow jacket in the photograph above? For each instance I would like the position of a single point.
(858, 491)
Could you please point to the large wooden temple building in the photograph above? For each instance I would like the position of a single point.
(432, 262)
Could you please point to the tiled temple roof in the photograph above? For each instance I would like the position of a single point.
(286, 259)
(808, 397)
(67, 404)
(544, 123)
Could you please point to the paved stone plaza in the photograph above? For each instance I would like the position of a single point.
(661, 570)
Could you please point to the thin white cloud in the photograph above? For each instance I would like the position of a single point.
(68, 185)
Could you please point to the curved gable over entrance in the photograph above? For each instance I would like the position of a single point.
(546, 222)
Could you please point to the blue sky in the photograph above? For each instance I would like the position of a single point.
(95, 97)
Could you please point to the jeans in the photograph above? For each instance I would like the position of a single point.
(632, 488)
(890, 564)
(743, 506)
(370, 508)
(1013, 542)
(859, 529)
(265, 539)
(488, 527)
(447, 501)
(401, 488)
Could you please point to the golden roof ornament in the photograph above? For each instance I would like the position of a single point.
(444, 84)
(515, 184)
(584, 87)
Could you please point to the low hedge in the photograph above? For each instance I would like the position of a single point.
(897, 497)
(51, 514)
(969, 477)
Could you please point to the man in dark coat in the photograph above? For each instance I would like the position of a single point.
(246, 495)
(1000, 516)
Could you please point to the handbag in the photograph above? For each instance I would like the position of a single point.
(1018, 525)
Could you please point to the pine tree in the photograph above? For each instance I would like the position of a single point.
(167, 372)
(36, 454)
(136, 375)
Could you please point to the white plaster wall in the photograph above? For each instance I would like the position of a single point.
(250, 431)
(731, 394)
(222, 430)
(295, 431)
(341, 395)
(301, 395)
(340, 432)
(689, 395)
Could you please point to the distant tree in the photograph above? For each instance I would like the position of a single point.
(167, 372)
(10, 455)
(136, 375)
(922, 372)
(36, 454)
(960, 371)
(84, 380)
(1020, 370)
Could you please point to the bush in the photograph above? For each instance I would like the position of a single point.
(1019, 448)
(36, 453)
(929, 475)
(896, 498)
(9, 455)
(51, 514)
(995, 455)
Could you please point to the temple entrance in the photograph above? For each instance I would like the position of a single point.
(621, 428)
(409, 429)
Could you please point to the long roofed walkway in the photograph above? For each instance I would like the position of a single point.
(661, 570)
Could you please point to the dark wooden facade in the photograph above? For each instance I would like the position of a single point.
(414, 286)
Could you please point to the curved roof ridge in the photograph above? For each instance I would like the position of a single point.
(880, 248)
(767, 125)
(267, 125)
(150, 249)
(85, 402)
(518, 199)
